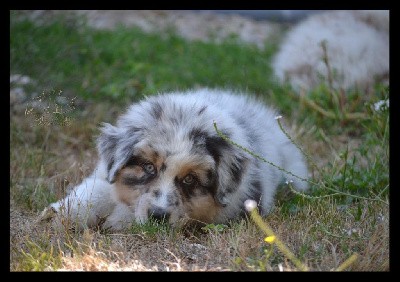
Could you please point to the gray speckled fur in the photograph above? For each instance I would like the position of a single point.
(164, 122)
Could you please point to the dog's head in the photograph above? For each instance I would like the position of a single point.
(167, 161)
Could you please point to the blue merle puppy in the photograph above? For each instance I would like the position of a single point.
(165, 160)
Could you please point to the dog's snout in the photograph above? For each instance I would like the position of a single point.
(158, 214)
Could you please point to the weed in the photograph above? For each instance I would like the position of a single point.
(152, 228)
(214, 227)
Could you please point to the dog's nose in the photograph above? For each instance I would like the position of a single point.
(158, 214)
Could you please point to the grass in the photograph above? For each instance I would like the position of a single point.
(123, 65)
(345, 139)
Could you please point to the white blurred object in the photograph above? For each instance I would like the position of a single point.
(20, 79)
(357, 47)
(381, 105)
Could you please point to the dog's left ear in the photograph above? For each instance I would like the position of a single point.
(232, 164)
(115, 146)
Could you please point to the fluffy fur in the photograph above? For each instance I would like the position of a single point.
(357, 49)
(164, 159)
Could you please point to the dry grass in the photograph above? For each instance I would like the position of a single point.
(45, 161)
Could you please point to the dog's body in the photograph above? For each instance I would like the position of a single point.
(164, 159)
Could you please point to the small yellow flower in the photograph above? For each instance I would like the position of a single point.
(270, 239)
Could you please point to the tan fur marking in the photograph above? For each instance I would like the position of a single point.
(149, 154)
(203, 208)
(132, 171)
(126, 194)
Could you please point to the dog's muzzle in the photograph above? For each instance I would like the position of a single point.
(159, 214)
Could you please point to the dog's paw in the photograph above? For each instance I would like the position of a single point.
(56, 219)
(47, 215)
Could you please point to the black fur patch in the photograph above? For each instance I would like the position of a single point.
(133, 130)
(201, 111)
(210, 176)
(237, 171)
(177, 117)
(211, 185)
(175, 121)
(252, 136)
(256, 191)
(215, 146)
(256, 194)
(175, 197)
(109, 166)
(163, 167)
(156, 110)
(133, 181)
(134, 160)
(186, 192)
(198, 136)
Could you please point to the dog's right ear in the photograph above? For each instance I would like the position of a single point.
(115, 146)
(107, 145)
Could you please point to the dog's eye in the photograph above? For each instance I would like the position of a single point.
(149, 168)
(189, 180)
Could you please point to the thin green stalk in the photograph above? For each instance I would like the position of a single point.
(297, 146)
(345, 166)
(223, 136)
(336, 192)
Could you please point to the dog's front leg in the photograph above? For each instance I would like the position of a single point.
(85, 206)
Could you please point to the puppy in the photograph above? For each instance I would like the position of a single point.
(165, 160)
